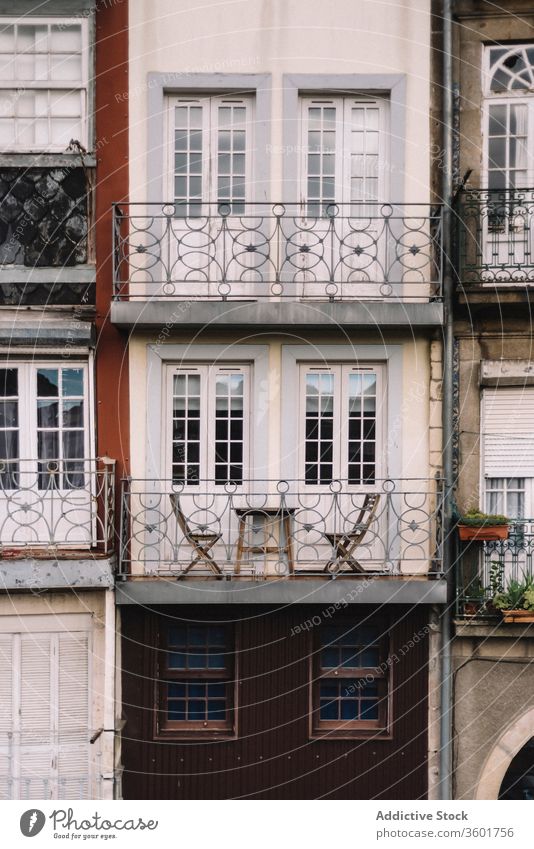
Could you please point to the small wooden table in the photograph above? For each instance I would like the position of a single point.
(282, 516)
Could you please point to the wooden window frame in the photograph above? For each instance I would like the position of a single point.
(165, 729)
(380, 728)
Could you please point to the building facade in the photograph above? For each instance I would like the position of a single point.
(60, 449)
(493, 694)
(278, 271)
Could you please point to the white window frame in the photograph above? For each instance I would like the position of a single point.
(490, 98)
(210, 103)
(343, 105)
(27, 401)
(341, 371)
(208, 374)
(53, 85)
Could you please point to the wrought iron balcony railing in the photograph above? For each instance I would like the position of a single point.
(48, 505)
(250, 251)
(496, 229)
(486, 568)
(264, 529)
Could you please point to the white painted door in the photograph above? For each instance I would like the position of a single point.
(342, 458)
(508, 222)
(340, 246)
(208, 247)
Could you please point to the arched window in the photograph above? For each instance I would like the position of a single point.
(509, 117)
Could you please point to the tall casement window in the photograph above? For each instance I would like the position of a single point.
(44, 425)
(350, 678)
(196, 679)
(210, 156)
(344, 141)
(209, 427)
(508, 450)
(341, 423)
(509, 116)
(43, 83)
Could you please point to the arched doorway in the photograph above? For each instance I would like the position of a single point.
(515, 738)
(518, 782)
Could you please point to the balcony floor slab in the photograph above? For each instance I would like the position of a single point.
(274, 314)
(37, 575)
(369, 590)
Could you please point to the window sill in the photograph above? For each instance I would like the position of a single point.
(326, 734)
(215, 735)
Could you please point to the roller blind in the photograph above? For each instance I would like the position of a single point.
(508, 432)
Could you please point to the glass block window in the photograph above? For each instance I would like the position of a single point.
(196, 674)
(350, 686)
(43, 84)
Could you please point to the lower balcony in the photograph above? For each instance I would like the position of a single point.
(266, 533)
(487, 569)
(56, 523)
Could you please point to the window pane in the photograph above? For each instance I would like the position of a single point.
(48, 383)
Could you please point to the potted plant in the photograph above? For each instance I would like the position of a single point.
(516, 602)
(475, 525)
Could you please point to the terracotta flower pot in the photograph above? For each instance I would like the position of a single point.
(519, 617)
(486, 533)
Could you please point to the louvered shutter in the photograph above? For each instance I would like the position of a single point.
(73, 717)
(37, 707)
(6, 716)
(508, 432)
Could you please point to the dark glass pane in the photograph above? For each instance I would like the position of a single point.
(236, 474)
(197, 635)
(311, 473)
(47, 414)
(176, 711)
(370, 657)
(216, 636)
(178, 429)
(236, 452)
(73, 444)
(216, 691)
(327, 428)
(217, 710)
(312, 428)
(48, 445)
(221, 428)
(196, 691)
(349, 709)
(73, 414)
(312, 449)
(176, 691)
(196, 710)
(216, 661)
(176, 660)
(9, 414)
(8, 382)
(329, 689)
(349, 657)
(48, 382)
(9, 445)
(369, 691)
(328, 709)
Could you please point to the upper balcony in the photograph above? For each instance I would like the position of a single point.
(277, 264)
(57, 526)
(46, 254)
(496, 249)
(273, 540)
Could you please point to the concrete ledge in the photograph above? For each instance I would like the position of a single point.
(364, 591)
(495, 630)
(36, 576)
(46, 333)
(274, 314)
(21, 274)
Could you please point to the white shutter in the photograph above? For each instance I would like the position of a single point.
(508, 432)
(37, 695)
(73, 717)
(6, 715)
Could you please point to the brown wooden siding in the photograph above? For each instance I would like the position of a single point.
(273, 756)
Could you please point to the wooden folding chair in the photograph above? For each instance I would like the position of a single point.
(345, 543)
(200, 541)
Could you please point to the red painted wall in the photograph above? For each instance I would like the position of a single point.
(111, 185)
